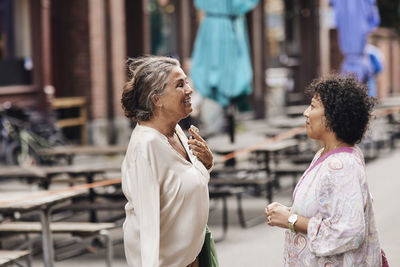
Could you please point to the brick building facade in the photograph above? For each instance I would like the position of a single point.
(79, 48)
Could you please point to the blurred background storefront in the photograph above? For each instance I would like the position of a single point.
(52, 50)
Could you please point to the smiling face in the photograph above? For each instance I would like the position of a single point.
(315, 119)
(176, 101)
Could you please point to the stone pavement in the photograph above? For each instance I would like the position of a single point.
(262, 245)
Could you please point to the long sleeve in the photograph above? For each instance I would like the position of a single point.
(340, 226)
(147, 208)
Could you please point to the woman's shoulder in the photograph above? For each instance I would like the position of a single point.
(348, 159)
(145, 134)
(146, 138)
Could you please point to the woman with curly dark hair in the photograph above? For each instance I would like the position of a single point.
(331, 221)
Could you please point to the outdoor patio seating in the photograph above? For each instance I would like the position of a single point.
(81, 229)
(11, 257)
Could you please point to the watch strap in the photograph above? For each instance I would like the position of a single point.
(292, 220)
(291, 227)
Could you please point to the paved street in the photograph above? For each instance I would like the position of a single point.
(262, 245)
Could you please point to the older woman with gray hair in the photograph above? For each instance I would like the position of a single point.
(164, 175)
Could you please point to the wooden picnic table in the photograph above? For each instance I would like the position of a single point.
(257, 144)
(296, 110)
(262, 127)
(43, 202)
(49, 171)
(251, 141)
(277, 146)
(87, 170)
(230, 177)
(221, 144)
(270, 150)
(46, 173)
(269, 131)
(40, 202)
(389, 102)
(269, 153)
(287, 122)
(71, 151)
(21, 172)
(390, 108)
(11, 257)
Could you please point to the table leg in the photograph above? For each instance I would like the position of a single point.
(47, 239)
(70, 159)
(269, 185)
(276, 178)
(92, 197)
(267, 158)
(246, 223)
(109, 247)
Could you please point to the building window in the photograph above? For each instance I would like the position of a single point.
(15, 43)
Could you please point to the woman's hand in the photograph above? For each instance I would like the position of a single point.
(277, 215)
(200, 149)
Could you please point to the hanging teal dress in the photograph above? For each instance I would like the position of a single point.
(221, 68)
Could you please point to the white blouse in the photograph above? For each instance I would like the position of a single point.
(168, 202)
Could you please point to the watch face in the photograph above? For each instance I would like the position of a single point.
(292, 218)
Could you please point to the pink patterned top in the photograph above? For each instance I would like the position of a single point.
(334, 194)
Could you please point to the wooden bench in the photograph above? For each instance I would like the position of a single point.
(69, 152)
(9, 257)
(80, 120)
(83, 229)
(29, 172)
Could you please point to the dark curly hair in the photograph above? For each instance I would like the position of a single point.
(147, 75)
(347, 106)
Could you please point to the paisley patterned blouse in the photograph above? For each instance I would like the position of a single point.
(334, 194)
